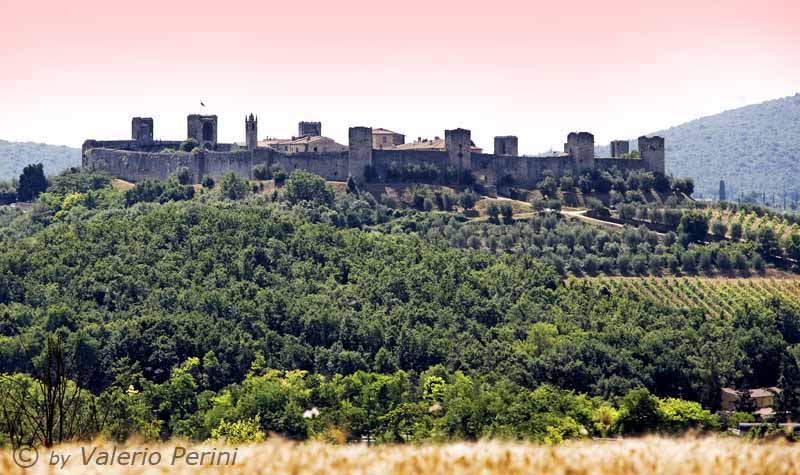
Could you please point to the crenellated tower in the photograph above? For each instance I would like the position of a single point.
(360, 152)
(651, 149)
(306, 128)
(506, 145)
(619, 148)
(142, 130)
(202, 128)
(458, 144)
(580, 146)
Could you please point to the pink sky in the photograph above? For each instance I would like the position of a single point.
(81, 69)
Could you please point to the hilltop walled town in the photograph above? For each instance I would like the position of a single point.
(370, 154)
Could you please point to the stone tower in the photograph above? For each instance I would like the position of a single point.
(723, 195)
(619, 148)
(458, 144)
(360, 152)
(651, 150)
(580, 146)
(142, 130)
(313, 129)
(506, 145)
(202, 128)
(251, 131)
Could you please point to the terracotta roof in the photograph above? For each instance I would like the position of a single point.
(428, 144)
(730, 391)
(764, 392)
(758, 392)
(381, 131)
(306, 139)
(272, 141)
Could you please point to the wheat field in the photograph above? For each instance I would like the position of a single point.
(660, 456)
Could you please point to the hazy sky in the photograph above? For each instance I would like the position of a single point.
(79, 69)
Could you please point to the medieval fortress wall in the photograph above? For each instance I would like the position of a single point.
(142, 157)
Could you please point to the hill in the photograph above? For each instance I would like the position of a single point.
(184, 310)
(14, 156)
(754, 148)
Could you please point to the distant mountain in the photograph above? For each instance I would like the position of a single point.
(55, 158)
(753, 148)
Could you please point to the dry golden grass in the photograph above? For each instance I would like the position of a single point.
(121, 185)
(520, 207)
(728, 456)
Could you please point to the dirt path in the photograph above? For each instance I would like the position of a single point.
(581, 216)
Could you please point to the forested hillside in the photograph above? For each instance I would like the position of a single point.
(14, 156)
(183, 311)
(754, 149)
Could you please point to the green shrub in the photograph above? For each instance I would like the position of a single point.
(188, 145)
(239, 432)
(467, 200)
(32, 182)
(639, 413)
(694, 226)
(233, 187)
(279, 174)
(261, 172)
(508, 213)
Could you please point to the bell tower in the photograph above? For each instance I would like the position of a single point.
(251, 131)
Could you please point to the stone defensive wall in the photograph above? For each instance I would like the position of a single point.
(135, 166)
(523, 171)
(133, 145)
(623, 164)
(331, 166)
(383, 159)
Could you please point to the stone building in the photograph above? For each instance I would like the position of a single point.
(436, 144)
(383, 138)
(762, 401)
(144, 157)
(308, 143)
(310, 139)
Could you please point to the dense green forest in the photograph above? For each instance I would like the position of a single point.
(199, 313)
